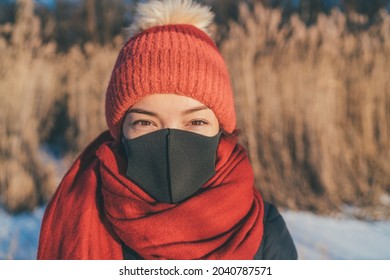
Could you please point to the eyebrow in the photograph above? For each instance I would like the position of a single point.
(141, 111)
(187, 112)
(192, 110)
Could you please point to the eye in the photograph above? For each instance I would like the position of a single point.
(142, 123)
(198, 122)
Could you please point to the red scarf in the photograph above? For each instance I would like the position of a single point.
(96, 208)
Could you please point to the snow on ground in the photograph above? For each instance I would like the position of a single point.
(316, 237)
(19, 234)
(319, 237)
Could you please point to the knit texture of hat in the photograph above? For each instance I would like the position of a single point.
(176, 58)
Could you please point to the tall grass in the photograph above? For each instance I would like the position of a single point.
(26, 86)
(45, 98)
(313, 105)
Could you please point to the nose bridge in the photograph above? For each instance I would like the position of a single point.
(172, 123)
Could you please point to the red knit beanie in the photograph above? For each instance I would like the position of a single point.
(176, 57)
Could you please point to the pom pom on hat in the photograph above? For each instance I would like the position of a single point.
(157, 13)
(170, 52)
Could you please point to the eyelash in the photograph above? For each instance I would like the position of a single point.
(142, 123)
(145, 123)
(202, 122)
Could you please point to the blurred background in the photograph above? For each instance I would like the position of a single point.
(312, 89)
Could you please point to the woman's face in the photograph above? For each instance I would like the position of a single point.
(159, 111)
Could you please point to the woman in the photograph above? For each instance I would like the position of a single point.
(168, 181)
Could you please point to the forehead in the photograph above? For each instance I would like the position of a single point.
(166, 102)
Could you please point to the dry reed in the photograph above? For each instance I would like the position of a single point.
(44, 95)
(314, 103)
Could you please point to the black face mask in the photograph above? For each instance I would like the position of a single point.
(171, 164)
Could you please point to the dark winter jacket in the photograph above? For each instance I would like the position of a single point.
(277, 243)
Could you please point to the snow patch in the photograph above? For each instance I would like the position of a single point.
(316, 237)
(19, 234)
